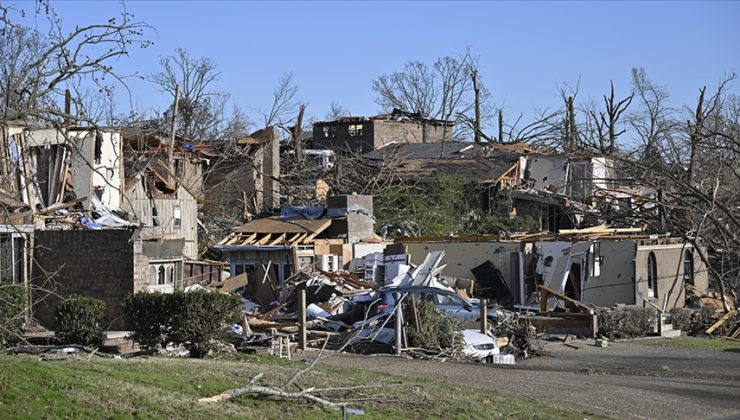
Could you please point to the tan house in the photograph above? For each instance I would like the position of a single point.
(600, 271)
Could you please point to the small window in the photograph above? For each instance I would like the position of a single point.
(688, 267)
(177, 217)
(652, 267)
(161, 276)
(172, 275)
(155, 220)
(355, 130)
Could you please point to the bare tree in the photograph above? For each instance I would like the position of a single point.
(336, 111)
(283, 106)
(200, 108)
(606, 122)
(443, 91)
(652, 122)
(40, 64)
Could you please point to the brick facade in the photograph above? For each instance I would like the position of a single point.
(94, 263)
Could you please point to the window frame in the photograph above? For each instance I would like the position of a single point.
(652, 275)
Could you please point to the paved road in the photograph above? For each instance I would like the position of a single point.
(622, 379)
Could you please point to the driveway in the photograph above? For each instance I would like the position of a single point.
(625, 380)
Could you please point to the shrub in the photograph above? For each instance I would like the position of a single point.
(436, 331)
(149, 316)
(193, 319)
(627, 322)
(201, 316)
(81, 320)
(12, 314)
(692, 320)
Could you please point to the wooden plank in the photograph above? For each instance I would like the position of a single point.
(560, 296)
(264, 239)
(278, 240)
(721, 321)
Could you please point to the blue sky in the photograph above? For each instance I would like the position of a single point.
(526, 49)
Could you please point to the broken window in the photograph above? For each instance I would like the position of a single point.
(243, 268)
(652, 267)
(355, 130)
(330, 131)
(179, 168)
(177, 217)
(688, 267)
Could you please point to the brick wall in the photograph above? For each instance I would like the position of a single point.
(94, 263)
(670, 270)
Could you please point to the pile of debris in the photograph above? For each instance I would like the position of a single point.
(373, 314)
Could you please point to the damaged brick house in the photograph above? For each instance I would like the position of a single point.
(42, 167)
(242, 183)
(65, 230)
(364, 134)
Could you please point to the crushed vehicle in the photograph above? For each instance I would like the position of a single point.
(467, 312)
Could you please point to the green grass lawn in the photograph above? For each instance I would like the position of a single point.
(699, 343)
(170, 387)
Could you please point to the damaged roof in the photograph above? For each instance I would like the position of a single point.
(470, 161)
(397, 115)
(273, 231)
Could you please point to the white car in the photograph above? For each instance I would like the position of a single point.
(479, 346)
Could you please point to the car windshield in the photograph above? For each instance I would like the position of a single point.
(449, 300)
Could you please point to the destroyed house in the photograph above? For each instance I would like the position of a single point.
(473, 163)
(364, 134)
(244, 182)
(41, 168)
(187, 164)
(560, 191)
(601, 270)
(300, 238)
(163, 206)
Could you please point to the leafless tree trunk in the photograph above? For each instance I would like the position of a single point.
(296, 133)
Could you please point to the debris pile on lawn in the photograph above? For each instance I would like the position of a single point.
(360, 314)
(518, 336)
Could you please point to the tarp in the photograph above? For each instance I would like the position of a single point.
(305, 212)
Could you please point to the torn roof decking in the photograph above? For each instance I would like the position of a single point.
(470, 161)
(274, 232)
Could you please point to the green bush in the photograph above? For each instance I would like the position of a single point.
(627, 322)
(436, 331)
(12, 314)
(193, 319)
(692, 320)
(81, 320)
(149, 316)
(202, 316)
